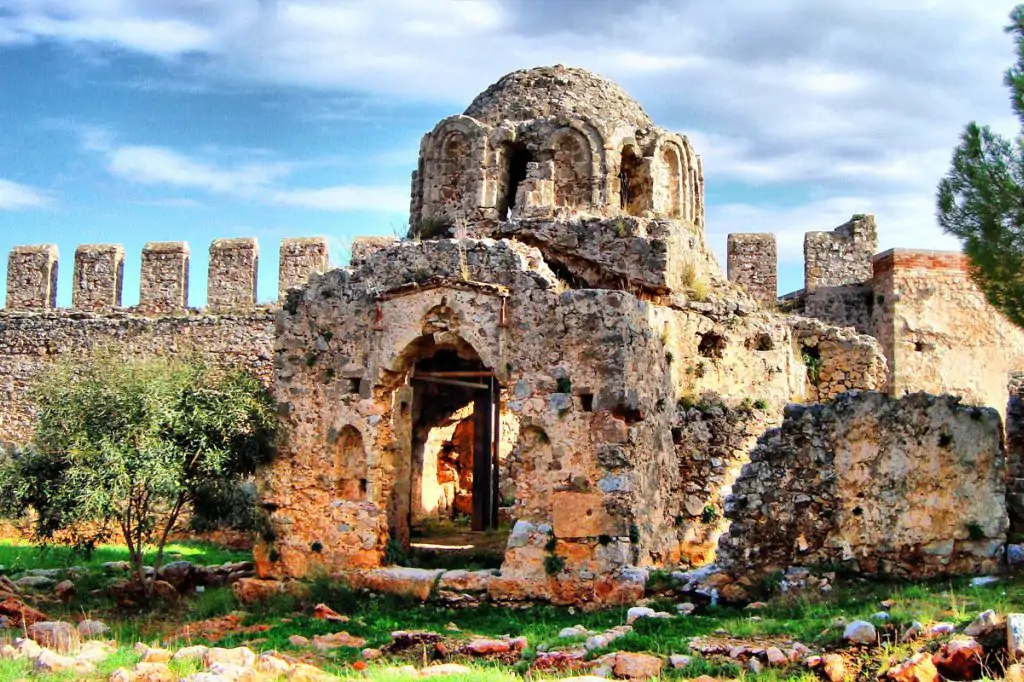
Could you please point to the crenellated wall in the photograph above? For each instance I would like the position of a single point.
(233, 329)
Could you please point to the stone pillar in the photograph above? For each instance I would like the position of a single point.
(840, 257)
(32, 277)
(300, 258)
(231, 284)
(753, 262)
(99, 277)
(163, 286)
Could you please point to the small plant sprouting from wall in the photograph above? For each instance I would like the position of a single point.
(622, 229)
(709, 514)
(761, 404)
(634, 533)
(812, 360)
(563, 385)
(975, 532)
(554, 564)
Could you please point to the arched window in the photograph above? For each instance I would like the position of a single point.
(350, 466)
(634, 183)
(516, 159)
(674, 179)
(572, 159)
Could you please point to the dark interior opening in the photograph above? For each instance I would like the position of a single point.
(518, 159)
(711, 345)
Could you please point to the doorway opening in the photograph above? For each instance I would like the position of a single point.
(517, 160)
(453, 488)
(634, 183)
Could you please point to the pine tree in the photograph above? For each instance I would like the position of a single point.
(981, 199)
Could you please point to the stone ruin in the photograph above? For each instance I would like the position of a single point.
(555, 353)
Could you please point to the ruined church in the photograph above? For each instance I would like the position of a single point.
(554, 355)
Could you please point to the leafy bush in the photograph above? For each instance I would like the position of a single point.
(127, 446)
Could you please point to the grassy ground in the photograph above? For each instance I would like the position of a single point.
(17, 556)
(816, 622)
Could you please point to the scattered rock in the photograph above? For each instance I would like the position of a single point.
(686, 608)
(371, 654)
(985, 623)
(152, 654)
(834, 667)
(638, 612)
(756, 606)
(272, 665)
(151, 672)
(487, 647)
(336, 640)
(252, 590)
(19, 614)
(678, 661)
(34, 582)
(49, 661)
(776, 658)
(241, 656)
(95, 651)
(180, 574)
(57, 635)
(984, 580)
(1015, 635)
(92, 628)
(915, 630)
(64, 590)
(880, 616)
(940, 630)
(755, 666)
(298, 641)
(633, 666)
(325, 612)
(918, 668)
(860, 632)
(959, 659)
(574, 631)
(190, 653)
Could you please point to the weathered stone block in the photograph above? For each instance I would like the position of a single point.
(233, 269)
(300, 258)
(752, 261)
(164, 280)
(32, 277)
(583, 515)
(99, 277)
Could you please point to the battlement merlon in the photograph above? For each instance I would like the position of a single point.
(752, 261)
(32, 277)
(163, 285)
(233, 272)
(841, 257)
(300, 258)
(98, 277)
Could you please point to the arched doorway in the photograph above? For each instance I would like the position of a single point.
(635, 185)
(448, 416)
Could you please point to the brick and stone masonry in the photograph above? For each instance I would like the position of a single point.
(752, 262)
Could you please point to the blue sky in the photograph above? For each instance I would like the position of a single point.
(154, 120)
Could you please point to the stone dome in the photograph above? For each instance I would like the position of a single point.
(557, 91)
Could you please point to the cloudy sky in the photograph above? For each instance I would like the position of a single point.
(137, 120)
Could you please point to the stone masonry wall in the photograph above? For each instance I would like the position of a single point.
(939, 332)
(838, 359)
(1015, 457)
(842, 256)
(911, 487)
(234, 330)
(752, 261)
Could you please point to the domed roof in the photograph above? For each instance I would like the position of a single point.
(557, 91)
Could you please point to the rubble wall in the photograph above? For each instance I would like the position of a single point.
(939, 333)
(913, 487)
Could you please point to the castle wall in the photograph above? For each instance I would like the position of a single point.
(1015, 457)
(233, 330)
(939, 333)
(752, 262)
(911, 487)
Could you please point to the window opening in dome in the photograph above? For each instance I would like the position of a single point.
(517, 158)
(634, 186)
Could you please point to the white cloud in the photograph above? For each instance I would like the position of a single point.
(16, 197)
(260, 182)
(346, 198)
(858, 102)
(160, 166)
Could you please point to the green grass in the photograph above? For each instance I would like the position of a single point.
(17, 556)
(816, 621)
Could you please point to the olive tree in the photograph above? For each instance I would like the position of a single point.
(124, 447)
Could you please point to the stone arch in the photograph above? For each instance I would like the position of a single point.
(350, 465)
(574, 170)
(672, 166)
(635, 184)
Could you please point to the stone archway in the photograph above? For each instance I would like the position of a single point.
(446, 424)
